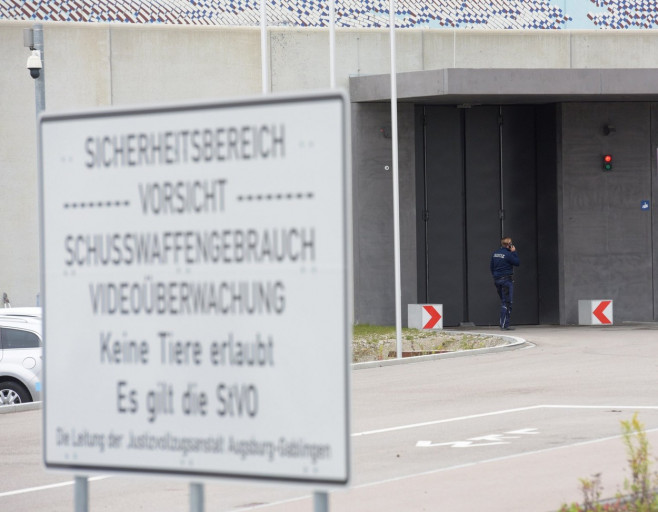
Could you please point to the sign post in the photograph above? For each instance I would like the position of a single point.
(185, 253)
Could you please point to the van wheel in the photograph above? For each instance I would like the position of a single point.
(12, 393)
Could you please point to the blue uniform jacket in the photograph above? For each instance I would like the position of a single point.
(503, 262)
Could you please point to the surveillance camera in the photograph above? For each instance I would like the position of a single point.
(34, 64)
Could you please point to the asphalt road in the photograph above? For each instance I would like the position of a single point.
(503, 431)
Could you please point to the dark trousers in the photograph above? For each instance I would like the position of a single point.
(505, 289)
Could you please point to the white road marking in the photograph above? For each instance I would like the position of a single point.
(456, 467)
(416, 425)
(492, 439)
(497, 413)
(524, 431)
(457, 444)
(47, 487)
(495, 459)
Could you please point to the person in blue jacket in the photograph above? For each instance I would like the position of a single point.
(503, 261)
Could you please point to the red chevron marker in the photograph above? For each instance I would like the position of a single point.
(435, 316)
(598, 312)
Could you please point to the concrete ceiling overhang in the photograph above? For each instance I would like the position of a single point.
(495, 86)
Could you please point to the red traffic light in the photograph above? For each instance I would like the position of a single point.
(607, 162)
(607, 158)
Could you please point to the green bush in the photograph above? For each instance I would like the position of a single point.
(640, 491)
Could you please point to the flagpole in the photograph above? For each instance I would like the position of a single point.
(263, 48)
(396, 182)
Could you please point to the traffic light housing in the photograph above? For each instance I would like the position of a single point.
(607, 162)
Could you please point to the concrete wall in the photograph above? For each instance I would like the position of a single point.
(374, 284)
(654, 194)
(606, 239)
(19, 225)
(89, 65)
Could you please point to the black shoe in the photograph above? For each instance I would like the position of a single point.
(508, 328)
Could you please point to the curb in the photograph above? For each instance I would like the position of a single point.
(29, 406)
(514, 342)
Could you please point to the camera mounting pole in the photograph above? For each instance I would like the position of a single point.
(33, 39)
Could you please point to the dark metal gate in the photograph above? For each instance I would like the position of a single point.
(477, 182)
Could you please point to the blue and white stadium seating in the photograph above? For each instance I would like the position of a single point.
(486, 14)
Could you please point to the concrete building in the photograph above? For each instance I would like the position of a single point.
(500, 132)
